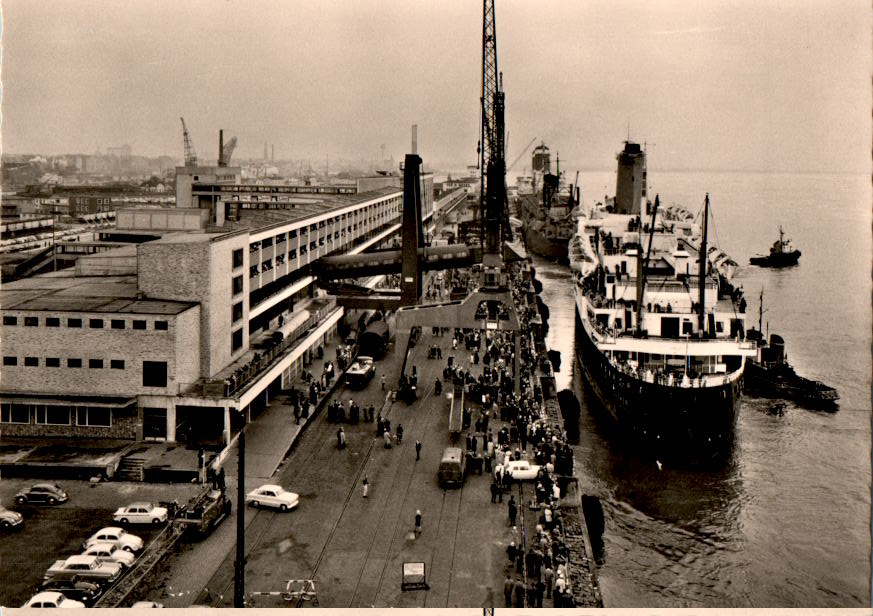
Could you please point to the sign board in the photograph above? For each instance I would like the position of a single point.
(414, 576)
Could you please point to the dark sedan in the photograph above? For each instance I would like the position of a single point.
(49, 493)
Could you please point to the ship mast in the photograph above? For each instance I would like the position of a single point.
(702, 268)
(643, 266)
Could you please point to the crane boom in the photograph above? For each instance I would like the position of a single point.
(190, 154)
(523, 152)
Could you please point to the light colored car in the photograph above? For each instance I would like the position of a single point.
(272, 496)
(52, 599)
(10, 519)
(116, 535)
(140, 513)
(149, 604)
(361, 371)
(89, 568)
(110, 552)
(520, 470)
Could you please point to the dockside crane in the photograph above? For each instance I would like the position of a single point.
(492, 193)
(190, 154)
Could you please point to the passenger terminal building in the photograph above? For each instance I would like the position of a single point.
(200, 314)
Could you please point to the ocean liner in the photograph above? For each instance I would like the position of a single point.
(547, 207)
(660, 332)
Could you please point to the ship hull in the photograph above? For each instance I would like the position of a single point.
(670, 421)
(552, 249)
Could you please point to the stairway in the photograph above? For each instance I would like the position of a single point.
(130, 469)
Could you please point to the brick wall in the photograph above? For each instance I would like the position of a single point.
(128, 344)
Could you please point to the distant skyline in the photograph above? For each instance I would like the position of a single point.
(766, 86)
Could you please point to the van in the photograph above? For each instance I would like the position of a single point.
(451, 471)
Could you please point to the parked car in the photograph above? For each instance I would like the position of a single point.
(118, 536)
(147, 604)
(10, 519)
(110, 552)
(88, 568)
(519, 470)
(52, 599)
(72, 587)
(140, 513)
(50, 493)
(361, 371)
(273, 496)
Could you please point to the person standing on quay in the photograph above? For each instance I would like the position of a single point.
(417, 451)
(365, 486)
(508, 586)
(417, 521)
(513, 510)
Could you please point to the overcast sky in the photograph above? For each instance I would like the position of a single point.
(758, 84)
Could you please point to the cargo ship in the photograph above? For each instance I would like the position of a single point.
(660, 334)
(547, 207)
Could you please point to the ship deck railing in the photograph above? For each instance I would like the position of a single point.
(674, 378)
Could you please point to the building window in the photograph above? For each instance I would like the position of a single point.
(74, 322)
(31, 321)
(253, 271)
(236, 340)
(117, 323)
(15, 413)
(138, 324)
(93, 416)
(116, 364)
(254, 246)
(237, 258)
(52, 322)
(292, 234)
(162, 325)
(154, 374)
(10, 320)
(52, 362)
(292, 254)
(74, 362)
(237, 285)
(31, 362)
(267, 265)
(95, 363)
(280, 238)
(95, 323)
(10, 360)
(52, 415)
(237, 311)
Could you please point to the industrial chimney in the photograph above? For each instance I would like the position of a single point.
(221, 161)
(415, 138)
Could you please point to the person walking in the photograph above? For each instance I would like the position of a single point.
(513, 510)
(383, 381)
(417, 451)
(365, 486)
(508, 585)
(399, 433)
(493, 491)
(519, 592)
(340, 438)
(387, 437)
(417, 521)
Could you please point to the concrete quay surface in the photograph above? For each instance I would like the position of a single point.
(353, 547)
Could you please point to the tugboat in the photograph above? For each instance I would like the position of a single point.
(781, 254)
(770, 375)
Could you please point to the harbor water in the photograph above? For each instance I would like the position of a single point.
(785, 522)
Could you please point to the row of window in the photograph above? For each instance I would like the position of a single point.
(90, 416)
(10, 320)
(55, 362)
(372, 217)
(154, 373)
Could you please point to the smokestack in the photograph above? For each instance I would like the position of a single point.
(265, 151)
(415, 138)
(221, 162)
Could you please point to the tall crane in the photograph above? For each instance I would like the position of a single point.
(492, 153)
(523, 152)
(190, 154)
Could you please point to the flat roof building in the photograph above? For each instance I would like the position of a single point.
(183, 337)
